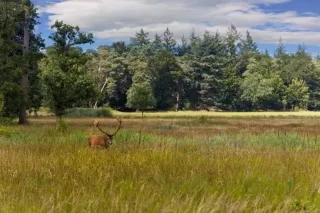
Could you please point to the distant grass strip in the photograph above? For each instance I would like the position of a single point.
(187, 114)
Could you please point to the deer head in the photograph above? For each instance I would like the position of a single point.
(103, 140)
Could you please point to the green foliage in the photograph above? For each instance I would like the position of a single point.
(1, 104)
(299, 205)
(297, 94)
(140, 95)
(12, 60)
(262, 87)
(66, 82)
(103, 112)
(314, 87)
(141, 38)
(206, 69)
(167, 82)
(169, 42)
(7, 131)
(112, 75)
(68, 36)
(263, 93)
(62, 126)
(225, 72)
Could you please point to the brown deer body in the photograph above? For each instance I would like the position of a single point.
(103, 141)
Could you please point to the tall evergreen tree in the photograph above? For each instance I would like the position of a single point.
(157, 44)
(10, 60)
(183, 48)
(206, 65)
(169, 42)
(165, 72)
(141, 38)
(231, 77)
(280, 51)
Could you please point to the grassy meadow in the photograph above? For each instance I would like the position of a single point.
(178, 165)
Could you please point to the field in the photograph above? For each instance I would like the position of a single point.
(190, 164)
(188, 114)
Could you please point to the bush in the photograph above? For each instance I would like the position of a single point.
(203, 119)
(6, 131)
(187, 106)
(90, 112)
(62, 126)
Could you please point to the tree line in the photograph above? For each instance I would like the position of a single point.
(208, 71)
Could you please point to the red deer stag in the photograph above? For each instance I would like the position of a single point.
(102, 140)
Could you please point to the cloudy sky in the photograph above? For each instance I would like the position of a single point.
(296, 21)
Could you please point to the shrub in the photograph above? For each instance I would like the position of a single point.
(62, 126)
(203, 119)
(90, 112)
(6, 131)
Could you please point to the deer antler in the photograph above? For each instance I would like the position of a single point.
(119, 126)
(96, 123)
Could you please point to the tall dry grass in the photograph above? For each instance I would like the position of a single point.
(193, 114)
(217, 170)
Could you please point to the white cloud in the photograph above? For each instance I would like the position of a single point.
(120, 19)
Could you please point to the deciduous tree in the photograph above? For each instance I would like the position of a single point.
(66, 82)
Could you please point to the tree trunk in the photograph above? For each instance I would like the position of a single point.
(177, 101)
(25, 79)
(58, 118)
(104, 85)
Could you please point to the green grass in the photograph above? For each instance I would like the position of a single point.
(182, 166)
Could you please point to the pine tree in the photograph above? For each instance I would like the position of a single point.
(141, 38)
(183, 48)
(231, 76)
(248, 49)
(168, 40)
(232, 41)
(157, 43)
(280, 51)
(248, 44)
(207, 68)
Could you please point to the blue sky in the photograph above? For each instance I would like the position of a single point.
(295, 21)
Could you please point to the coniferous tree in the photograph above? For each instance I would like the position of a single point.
(22, 51)
(169, 42)
(280, 51)
(231, 77)
(183, 48)
(141, 38)
(10, 61)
